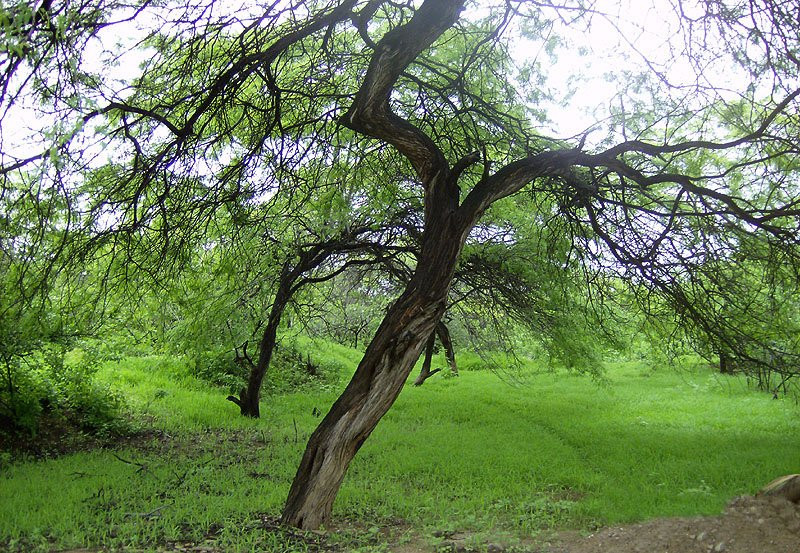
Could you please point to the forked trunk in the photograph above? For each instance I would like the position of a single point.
(444, 337)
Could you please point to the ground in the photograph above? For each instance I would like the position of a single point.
(185, 476)
(748, 525)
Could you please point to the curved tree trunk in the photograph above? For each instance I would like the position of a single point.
(378, 380)
(373, 389)
(412, 319)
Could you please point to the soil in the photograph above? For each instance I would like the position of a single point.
(748, 525)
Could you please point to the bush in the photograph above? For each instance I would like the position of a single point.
(220, 368)
(295, 366)
(52, 382)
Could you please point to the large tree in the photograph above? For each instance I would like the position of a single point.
(610, 185)
(233, 109)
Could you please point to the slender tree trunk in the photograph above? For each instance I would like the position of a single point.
(725, 365)
(377, 382)
(425, 373)
(447, 343)
(249, 397)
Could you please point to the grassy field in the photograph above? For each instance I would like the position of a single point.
(498, 458)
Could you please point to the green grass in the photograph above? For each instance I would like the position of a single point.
(473, 453)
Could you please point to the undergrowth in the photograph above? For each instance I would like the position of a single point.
(52, 392)
(475, 454)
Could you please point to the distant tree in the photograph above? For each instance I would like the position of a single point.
(354, 246)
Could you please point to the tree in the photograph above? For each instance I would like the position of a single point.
(235, 110)
(363, 245)
(602, 178)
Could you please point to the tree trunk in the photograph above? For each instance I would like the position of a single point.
(250, 396)
(378, 380)
(425, 373)
(725, 365)
(447, 343)
(408, 324)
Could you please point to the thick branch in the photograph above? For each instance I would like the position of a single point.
(514, 176)
(371, 113)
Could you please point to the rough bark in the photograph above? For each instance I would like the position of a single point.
(412, 319)
(378, 380)
(373, 389)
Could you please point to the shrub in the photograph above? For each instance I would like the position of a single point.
(52, 382)
(220, 368)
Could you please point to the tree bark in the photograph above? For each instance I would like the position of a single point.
(444, 337)
(249, 398)
(725, 364)
(412, 319)
(373, 389)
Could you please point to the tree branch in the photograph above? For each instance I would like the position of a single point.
(371, 114)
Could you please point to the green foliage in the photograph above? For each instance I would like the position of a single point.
(52, 383)
(298, 363)
(220, 368)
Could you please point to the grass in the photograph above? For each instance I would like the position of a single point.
(472, 453)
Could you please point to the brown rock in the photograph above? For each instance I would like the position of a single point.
(787, 487)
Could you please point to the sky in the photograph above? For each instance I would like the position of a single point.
(624, 36)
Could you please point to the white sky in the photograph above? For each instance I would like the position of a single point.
(631, 31)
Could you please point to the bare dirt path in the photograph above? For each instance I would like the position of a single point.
(748, 525)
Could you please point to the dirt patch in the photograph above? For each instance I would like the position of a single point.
(748, 525)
